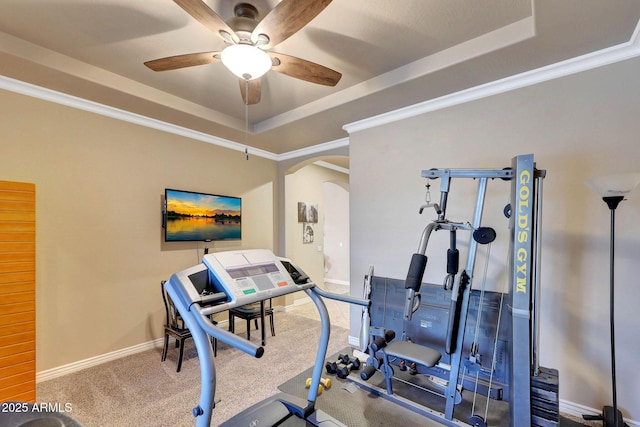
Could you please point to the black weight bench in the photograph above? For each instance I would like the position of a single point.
(412, 352)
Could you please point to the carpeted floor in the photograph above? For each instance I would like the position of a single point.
(139, 390)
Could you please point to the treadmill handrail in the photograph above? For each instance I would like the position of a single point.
(225, 336)
(342, 297)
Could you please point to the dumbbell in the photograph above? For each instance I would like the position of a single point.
(353, 365)
(413, 370)
(325, 382)
(332, 367)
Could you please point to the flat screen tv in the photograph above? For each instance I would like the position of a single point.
(191, 216)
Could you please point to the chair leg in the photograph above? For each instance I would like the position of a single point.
(249, 329)
(273, 329)
(232, 325)
(166, 346)
(180, 357)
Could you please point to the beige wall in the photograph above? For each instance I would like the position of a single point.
(100, 250)
(305, 185)
(578, 127)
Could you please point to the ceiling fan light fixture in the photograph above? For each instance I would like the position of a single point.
(246, 61)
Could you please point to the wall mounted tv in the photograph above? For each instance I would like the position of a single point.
(191, 216)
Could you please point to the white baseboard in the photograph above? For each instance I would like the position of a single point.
(354, 341)
(578, 410)
(50, 374)
(70, 368)
(337, 282)
(60, 371)
(296, 303)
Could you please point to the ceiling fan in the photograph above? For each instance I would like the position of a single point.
(248, 52)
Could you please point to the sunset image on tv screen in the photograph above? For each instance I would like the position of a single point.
(201, 217)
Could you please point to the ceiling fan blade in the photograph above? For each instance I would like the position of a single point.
(207, 17)
(255, 90)
(304, 70)
(183, 61)
(287, 18)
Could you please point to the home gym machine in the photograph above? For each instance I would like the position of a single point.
(448, 361)
(225, 280)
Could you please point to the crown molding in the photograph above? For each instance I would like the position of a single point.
(45, 94)
(331, 166)
(600, 58)
(314, 149)
(621, 52)
(39, 92)
(495, 40)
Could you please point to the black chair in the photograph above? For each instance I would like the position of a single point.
(253, 312)
(174, 326)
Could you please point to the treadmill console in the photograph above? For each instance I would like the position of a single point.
(231, 279)
(251, 275)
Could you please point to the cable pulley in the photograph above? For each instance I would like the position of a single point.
(484, 235)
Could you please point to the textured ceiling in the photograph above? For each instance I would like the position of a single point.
(391, 54)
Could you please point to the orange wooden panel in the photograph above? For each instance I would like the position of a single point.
(17, 186)
(14, 349)
(29, 396)
(17, 247)
(16, 369)
(8, 393)
(17, 307)
(14, 287)
(17, 338)
(25, 316)
(17, 226)
(21, 378)
(18, 236)
(15, 359)
(17, 291)
(6, 194)
(17, 298)
(16, 328)
(17, 216)
(18, 256)
(20, 276)
(17, 205)
(14, 267)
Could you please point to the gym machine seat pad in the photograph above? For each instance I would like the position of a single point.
(414, 352)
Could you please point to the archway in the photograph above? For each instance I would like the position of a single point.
(304, 239)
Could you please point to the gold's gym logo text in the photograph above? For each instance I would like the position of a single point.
(523, 230)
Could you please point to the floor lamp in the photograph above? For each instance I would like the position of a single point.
(613, 190)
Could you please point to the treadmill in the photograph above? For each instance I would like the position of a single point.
(225, 280)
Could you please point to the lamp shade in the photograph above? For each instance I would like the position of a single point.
(246, 61)
(614, 185)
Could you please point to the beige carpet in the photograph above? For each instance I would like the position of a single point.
(139, 390)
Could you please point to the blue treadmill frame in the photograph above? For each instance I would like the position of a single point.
(196, 316)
